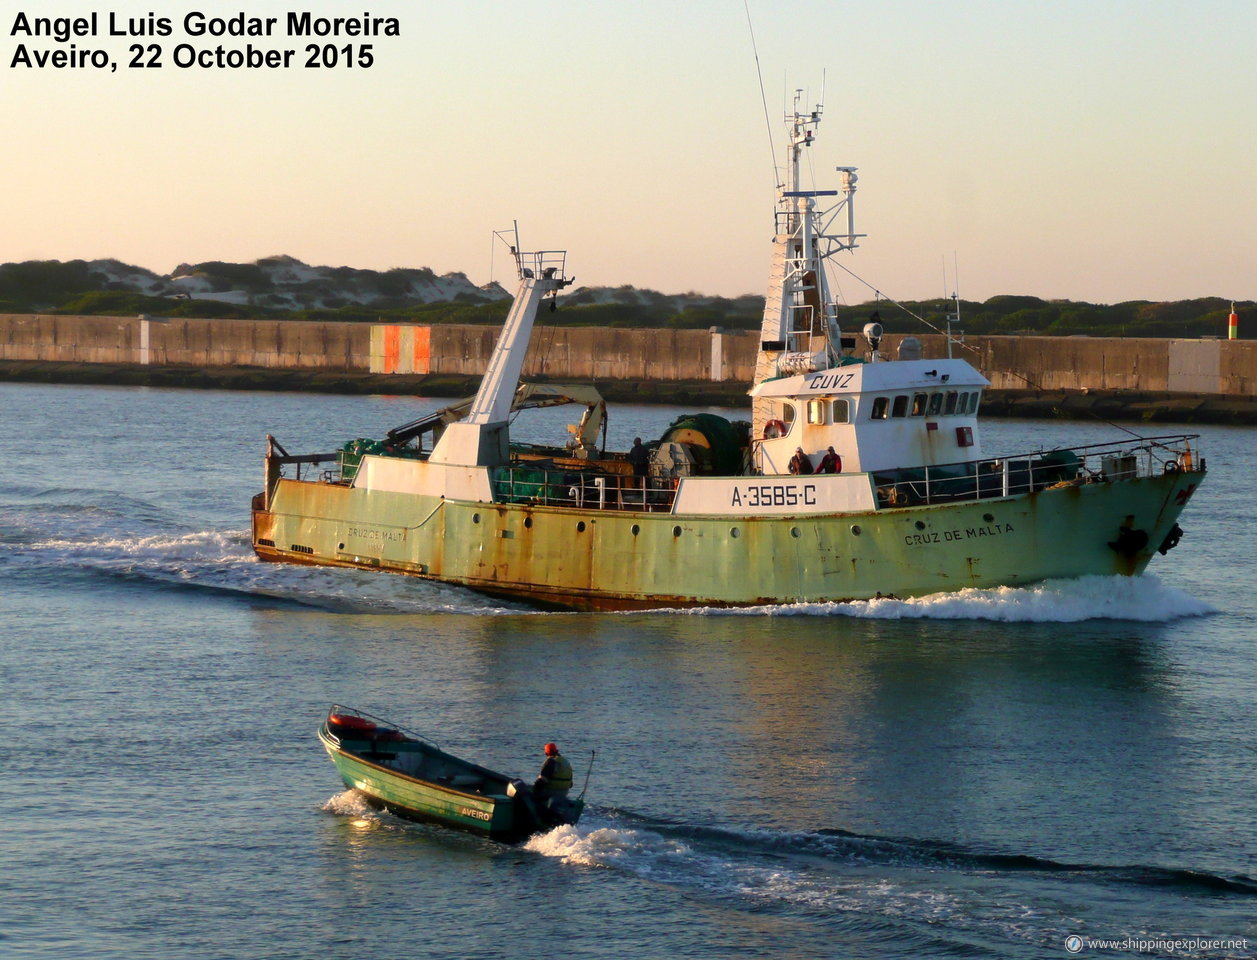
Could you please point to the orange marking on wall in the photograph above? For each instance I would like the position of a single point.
(423, 350)
(392, 348)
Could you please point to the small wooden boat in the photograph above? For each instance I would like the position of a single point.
(412, 777)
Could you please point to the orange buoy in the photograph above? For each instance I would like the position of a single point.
(347, 721)
(1233, 325)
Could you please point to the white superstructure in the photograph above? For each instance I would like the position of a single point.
(810, 391)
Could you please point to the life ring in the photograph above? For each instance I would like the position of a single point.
(774, 429)
(347, 721)
(1171, 466)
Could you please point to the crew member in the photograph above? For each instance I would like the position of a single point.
(799, 463)
(830, 463)
(555, 779)
(639, 457)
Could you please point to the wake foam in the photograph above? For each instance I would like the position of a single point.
(745, 874)
(1143, 598)
(835, 872)
(607, 846)
(652, 855)
(350, 803)
(223, 562)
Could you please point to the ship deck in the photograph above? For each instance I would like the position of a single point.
(536, 477)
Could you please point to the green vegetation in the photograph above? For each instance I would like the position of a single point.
(46, 281)
(367, 296)
(123, 303)
(1006, 315)
(234, 276)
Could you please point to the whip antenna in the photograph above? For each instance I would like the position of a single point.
(590, 768)
(759, 73)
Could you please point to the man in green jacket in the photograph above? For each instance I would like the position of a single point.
(555, 779)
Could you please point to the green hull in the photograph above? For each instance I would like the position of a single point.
(589, 558)
(413, 777)
(490, 816)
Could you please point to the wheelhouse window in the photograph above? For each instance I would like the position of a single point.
(900, 407)
(787, 413)
(842, 412)
(881, 406)
(950, 407)
(936, 404)
(818, 411)
(918, 404)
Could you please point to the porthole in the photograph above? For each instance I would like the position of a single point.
(527, 523)
(920, 524)
(735, 533)
(340, 546)
(475, 518)
(794, 532)
(580, 527)
(676, 531)
(635, 529)
(988, 517)
(855, 529)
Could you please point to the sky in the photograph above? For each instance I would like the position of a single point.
(1098, 150)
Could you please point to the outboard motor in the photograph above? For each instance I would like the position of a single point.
(515, 787)
(525, 803)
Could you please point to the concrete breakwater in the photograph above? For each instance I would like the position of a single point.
(1048, 375)
(1026, 404)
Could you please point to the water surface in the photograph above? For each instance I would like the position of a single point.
(973, 775)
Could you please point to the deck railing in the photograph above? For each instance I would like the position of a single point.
(1025, 473)
(586, 490)
(526, 482)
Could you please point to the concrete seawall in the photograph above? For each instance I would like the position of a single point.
(455, 353)
(143, 341)
(1106, 405)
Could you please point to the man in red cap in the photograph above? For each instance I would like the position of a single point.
(555, 779)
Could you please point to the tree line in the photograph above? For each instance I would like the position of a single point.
(75, 288)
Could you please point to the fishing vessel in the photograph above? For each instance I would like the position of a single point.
(860, 474)
(413, 777)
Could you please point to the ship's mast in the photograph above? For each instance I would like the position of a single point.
(800, 326)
